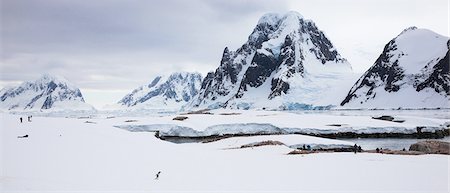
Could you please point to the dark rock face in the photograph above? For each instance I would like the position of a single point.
(278, 87)
(207, 85)
(439, 80)
(323, 53)
(208, 79)
(154, 82)
(256, 75)
(226, 77)
(431, 147)
(229, 70)
(287, 58)
(48, 103)
(384, 70)
(261, 33)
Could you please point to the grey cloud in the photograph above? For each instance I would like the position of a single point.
(52, 25)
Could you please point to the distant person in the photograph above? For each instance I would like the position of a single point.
(378, 150)
(157, 175)
(359, 148)
(20, 119)
(308, 147)
(355, 148)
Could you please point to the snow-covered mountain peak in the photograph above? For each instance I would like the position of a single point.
(164, 92)
(50, 78)
(293, 14)
(274, 19)
(410, 46)
(422, 34)
(274, 25)
(282, 52)
(293, 20)
(409, 29)
(271, 19)
(47, 92)
(411, 72)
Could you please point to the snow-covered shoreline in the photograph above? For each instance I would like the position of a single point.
(250, 122)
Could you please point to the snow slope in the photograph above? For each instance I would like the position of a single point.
(48, 93)
(70, 155)
(164, 92)
(286, 63)
(411, 72)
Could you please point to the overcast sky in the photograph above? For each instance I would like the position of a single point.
(109, 47)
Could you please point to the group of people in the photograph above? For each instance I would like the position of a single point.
(307, 147)
(357, 148)
(21, 121)
(29, 118)
(380, 150)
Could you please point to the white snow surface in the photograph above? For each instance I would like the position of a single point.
(420, 46)
(320, 89)
(64, 154)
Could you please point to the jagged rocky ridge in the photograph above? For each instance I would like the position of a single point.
(46, 93)
(164, 92)
(411, 72)
(282, 53)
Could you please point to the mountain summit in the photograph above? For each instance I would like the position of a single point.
(49, 92)
(284, 58)
(411, 72)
